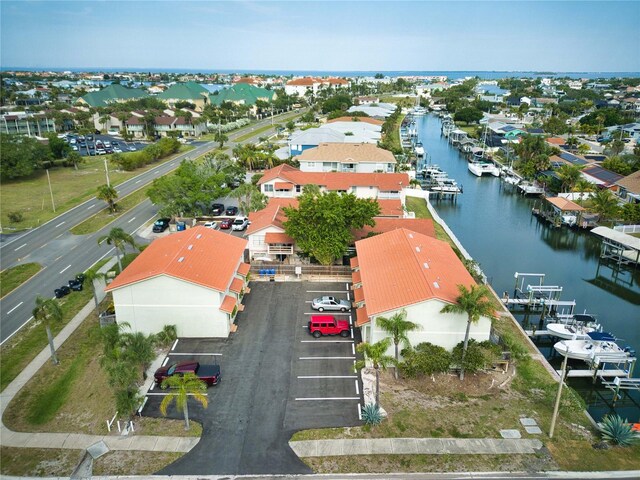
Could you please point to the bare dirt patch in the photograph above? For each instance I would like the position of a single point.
(133, 462)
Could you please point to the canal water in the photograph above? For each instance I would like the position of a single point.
(495, 225)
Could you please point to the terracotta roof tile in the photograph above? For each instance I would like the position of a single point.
(358, 295)
(198, 255)
(556, 141)
(356, 277)
(564, 204)
(277, 237)
(391, 207)
(418, 225)
(401, 268)
(306, 81)
(271, 215)
(243, 269)
(354, 262)
(347, 153)
(362, 317)
(283, 186)
(369, 120)
(228, 304)
(236, 285)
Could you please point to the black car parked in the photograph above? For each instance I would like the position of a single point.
(75, 285)
(62, 291)
(161, 225)
(217, 209)
(232, 211)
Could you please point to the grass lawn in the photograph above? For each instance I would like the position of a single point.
(38, 462)
(133, 463)
(253, 133)
(419, 207)
(13, 277)
(105, 217)
(472, 130)
(23, 347)
(70, 188)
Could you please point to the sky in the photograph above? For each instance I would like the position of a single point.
(582, 36)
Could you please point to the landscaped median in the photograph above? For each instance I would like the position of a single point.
(12, 278)
(438, 410)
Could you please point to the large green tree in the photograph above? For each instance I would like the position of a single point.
(475, 303)
(322, 223)
(398, 327)
(21, 156)
(109, 194)
(250, 198)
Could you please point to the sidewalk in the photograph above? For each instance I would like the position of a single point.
(9, 438)
(399, 446)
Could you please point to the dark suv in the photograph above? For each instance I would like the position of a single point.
(217, 209)
(161, 225)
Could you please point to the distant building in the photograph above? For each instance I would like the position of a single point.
(29, 124)
(242, 94)
(300, 86)
(347, 157)
(186, 92)
(114, 93)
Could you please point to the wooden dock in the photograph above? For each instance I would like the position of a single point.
(574, 373)
(538, 333)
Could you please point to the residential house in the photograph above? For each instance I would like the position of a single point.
(629, 188)
(300, 86)
(356, 132)
(369, 120)
(242, 94)
(114, 93)
(29, 124)
(285, 181)
(375, 110)
(406, 270)
(311, 138)
(347, 157)
(191, 92)
(601, 176)
(192, 279)
(184, 126)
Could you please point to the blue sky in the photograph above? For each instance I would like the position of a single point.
(260, 35)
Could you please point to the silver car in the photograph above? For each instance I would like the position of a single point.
(330, 303)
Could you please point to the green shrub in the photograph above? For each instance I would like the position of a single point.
(166, 336)
(371, 414)
(618, 431)
(479, 356)
(425, 359)
(15, 216)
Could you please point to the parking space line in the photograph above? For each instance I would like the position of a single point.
(357, 388)
(175, 344)
(153, 385)
(359, 411)
(328, 376)
(352, 333)
(143, 404)
(350, 321)
(346, 286)
(162, 394)
(326, 358)
(353, 348)
(327, 398)
(326, 341)
(348, 296)
(164, 364)
(195, 353)
(325, 291)
(326, 313)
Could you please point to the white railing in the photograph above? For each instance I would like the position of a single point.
(280, 250)
(627, 228)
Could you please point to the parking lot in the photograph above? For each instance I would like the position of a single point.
(276, 379)
(87, 147)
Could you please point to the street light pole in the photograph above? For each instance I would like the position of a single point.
(559, 394)
(51, 192)
(106, 169)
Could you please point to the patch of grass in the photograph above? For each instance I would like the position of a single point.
(38, 462)
(580, 455)
(166, 427)
(419, 207)
(105, 217)
(48, 401)
(13, 277)
(317, 434)
(70, 188)
(253, 133)
(127, 463)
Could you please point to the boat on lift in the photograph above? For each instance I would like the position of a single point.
(567, 331)
(482, 168)
(419, 149)
(598, 344)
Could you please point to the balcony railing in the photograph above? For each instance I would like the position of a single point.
(280, 249)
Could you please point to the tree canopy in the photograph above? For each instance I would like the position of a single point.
(322, 223)
(21, 156)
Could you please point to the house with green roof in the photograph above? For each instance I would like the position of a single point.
(191, 92)
(114, 93)
(242, 94)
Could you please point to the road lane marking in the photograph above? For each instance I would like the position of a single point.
(65, 269)
(174, 344)
(327, 376)
(14, 308)
(357, 388)
(58, 258)
(326, 341)
(60, 234)
(325, 291)
(60, 224)
(138, 182)
(91, 206)
(159, 394)
(172, 164)
(23, 245)
(327, 398)
(131, 220)
(326, 358)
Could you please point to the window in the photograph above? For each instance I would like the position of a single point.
(268, 187)
(311, 164)
(298, 188)
(258, 240)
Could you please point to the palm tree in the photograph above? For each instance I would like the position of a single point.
(475, 303)
(47, 311)
(91, 276)
(376, 353)
(119, 239)
(138, 349)
(569, 174)
(109, 195)
(220, 138)
(397, 326)
(183, 386)
(582, 185)
(605, 204)
(103, 120)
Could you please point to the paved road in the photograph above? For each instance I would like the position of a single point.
(63, 254)
(276, 379)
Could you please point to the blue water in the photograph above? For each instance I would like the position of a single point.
(496, 227)
(452, 74)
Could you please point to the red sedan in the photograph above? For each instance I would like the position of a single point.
(226, 223)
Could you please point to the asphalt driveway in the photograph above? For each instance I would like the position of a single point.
(276, 379)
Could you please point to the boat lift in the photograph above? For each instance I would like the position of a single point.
(534, 297)
(620, 383)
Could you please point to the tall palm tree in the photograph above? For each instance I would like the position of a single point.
(109, 195)
(397, 326)
(376, 353)
(475, 303)
(182, 388)
(582, 185)
(569, 175)
(605, 204)
(119, 239)
(138, 349)
(91, 276)
(48, 311)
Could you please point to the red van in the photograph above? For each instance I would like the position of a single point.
(328, 325)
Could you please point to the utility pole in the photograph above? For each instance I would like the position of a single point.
(559, 394)
(51, 192)
(106, 170)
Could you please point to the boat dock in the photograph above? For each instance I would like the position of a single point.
(620, 383)
(575, 373)
(536, 297)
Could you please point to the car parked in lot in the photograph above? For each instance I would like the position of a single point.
(213, 225)
(232, 211)
(62, 291)
(240, 223)
(161, 225)
(217, 209)
(117, 150)
(328, 325)
(330, 304)
(101, 151)
(132, 148)
(225, 224)
(210, 374)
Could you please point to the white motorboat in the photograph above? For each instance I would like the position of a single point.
(431, 171)
(418, 111)
(570, 332)
(602, 345)
(481, 168)
(419, 149)
(446, 185)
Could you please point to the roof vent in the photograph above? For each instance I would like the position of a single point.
(189, 247)
(418, 249)
(180, 259)
(199, 235)
(436, 284)
(411, 235)
(426, 265)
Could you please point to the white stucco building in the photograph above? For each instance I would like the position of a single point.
(194, 279)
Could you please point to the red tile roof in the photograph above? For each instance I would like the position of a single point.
(564, 204)
(362, 317)
(243, 269)
(401, 268)
(418, 225)
(372, 121)
(228, 304)
(356, 277)
(307, 81)
(283, 186)
(337, 180)
(236, 285)
(277, 237)
(271, 215)
(556, 141)
(391, 207)
(353, 261)
(198, 255)
(358, 295)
